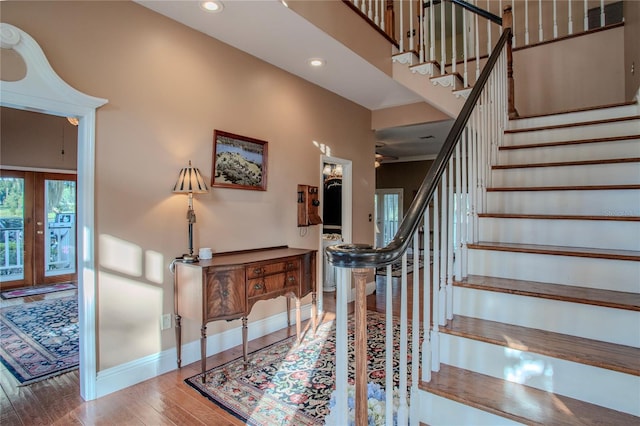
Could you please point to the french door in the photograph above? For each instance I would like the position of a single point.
(37, 228)
(388, 207)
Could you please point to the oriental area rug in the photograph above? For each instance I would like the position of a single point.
(39, 340)
(35, 290)
(289, 384)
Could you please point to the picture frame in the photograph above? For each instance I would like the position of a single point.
(239, 162)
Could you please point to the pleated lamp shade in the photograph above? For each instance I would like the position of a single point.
(190, 180)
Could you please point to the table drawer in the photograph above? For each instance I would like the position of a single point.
(272, 284)
(264, 269)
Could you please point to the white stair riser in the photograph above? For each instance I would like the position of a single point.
(619, 202)
(607, 274)
(593, 131)
(592, 174)
(576, 319)
(574, 117)
(606, 388)
(574, 152)
(607, 234)
(435, 410)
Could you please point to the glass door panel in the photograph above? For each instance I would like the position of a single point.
(60, 229)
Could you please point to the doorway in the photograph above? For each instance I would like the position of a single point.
(388, 208)
(37, 228)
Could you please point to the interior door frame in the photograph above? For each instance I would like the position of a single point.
(382, 191)
(42, 90)
(347, 216)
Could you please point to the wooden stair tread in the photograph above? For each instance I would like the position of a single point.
(567, 293)
(518, 402)
(584, 109)
(567, 163)
(610, 356)
(564, 188)
(576, 124)
(595, 253)
(559, 217)
(569, 142)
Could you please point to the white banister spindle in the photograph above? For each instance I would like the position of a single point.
(513, 25)
(389, 349)
(586, 16)
(526, 22)
(370, 10)
(415, 321)
(432, 30)
(458, 213)
(450, 243)
(427, 347)
(464, 201)
(421, 29)
(465, 33)
(454, 57)
(477, 39)
(443, 41)
(442, 315)
(570, 18)
(602, 17)
(412, 46)
(383, 14)
(473, 154)
(342, 339)
(376, 15)
(555, 19)
(540, 30)
(403, 408)
(401, 37)
(435, 285)
(489, 46)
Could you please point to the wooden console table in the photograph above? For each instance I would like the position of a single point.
(227, 286)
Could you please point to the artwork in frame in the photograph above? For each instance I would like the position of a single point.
(239, 162)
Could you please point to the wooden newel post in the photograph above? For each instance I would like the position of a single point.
(362, 416)
(507, 22)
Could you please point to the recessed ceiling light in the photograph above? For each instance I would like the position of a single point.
(211, 6)
(316, 62)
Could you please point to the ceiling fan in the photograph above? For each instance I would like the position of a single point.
(381, 157)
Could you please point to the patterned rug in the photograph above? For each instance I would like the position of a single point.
(39, 340)
(286, 384)
(35, 290)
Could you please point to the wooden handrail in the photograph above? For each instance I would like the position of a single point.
(364, 255)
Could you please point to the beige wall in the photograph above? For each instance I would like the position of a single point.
(406, 175)
(632, 48)
(572, 73)
(34, 140)
(168, 88)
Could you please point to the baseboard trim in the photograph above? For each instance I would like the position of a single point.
(128, 374)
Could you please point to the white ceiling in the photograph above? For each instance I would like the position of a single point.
(270, 31)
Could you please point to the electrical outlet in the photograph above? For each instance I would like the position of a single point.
(165, 321)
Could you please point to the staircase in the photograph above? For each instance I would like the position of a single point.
(546, 326)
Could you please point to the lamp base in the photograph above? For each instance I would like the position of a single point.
(189, 258)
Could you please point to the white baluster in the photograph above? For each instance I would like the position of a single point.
(443, 45)
(370, 11)
(401, 44)
(432, 26)
(403, 408)
(602, 17)
(421, 29)
(412, 46)
(586, 16)
(450, 243)
(570, 18)
(464, 47)
(342, 358)
(443, 250)
(435, 273)
(454, 57)
(477, 47)
(513, 24)
(555, 19)
(427, 348)
(389, 349)
(458, 212)
(383, 14)
(489, 46)
(526, 22)
(376, 16)
(540, 33)
(464, 200)
(415, 321)
(363, 6)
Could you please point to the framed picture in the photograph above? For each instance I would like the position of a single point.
(239, 162)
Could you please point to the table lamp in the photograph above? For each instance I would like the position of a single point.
(190, 181)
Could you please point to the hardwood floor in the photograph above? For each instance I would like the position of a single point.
(164, 400)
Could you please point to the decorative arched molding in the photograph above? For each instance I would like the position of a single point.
(42, 90)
